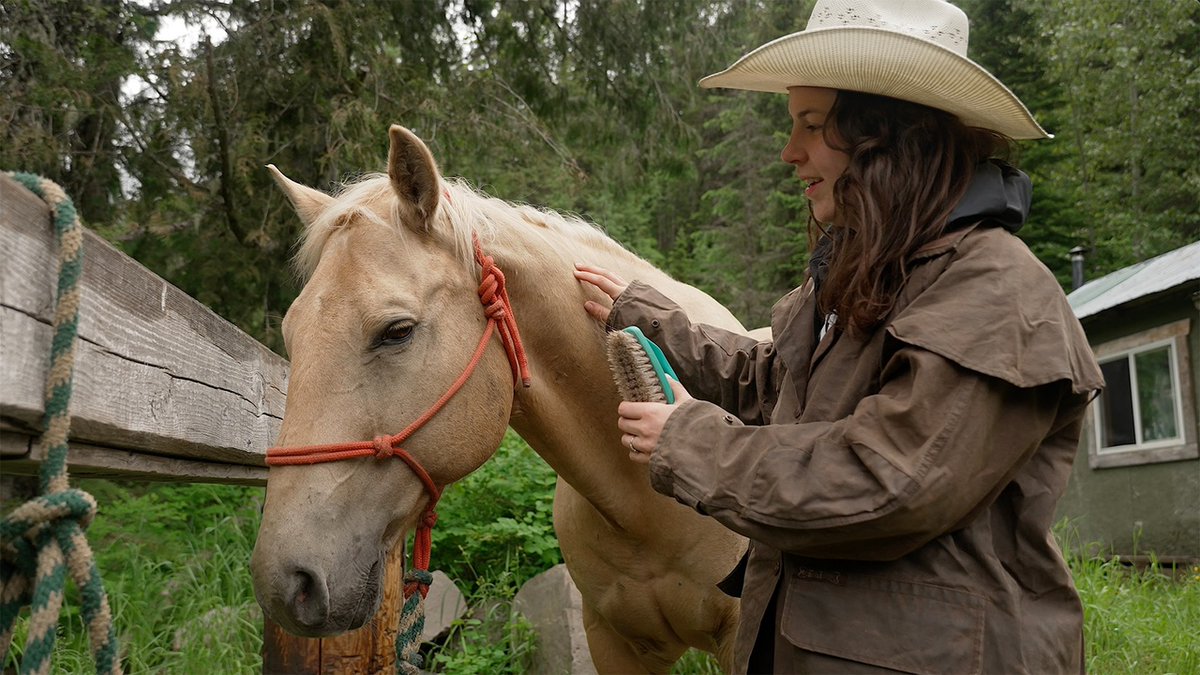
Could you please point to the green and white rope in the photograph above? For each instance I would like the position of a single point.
(412, 624)
(42, 541)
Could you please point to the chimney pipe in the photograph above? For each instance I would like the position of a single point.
(1077, 254)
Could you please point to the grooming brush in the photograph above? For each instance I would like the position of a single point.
(639, 367)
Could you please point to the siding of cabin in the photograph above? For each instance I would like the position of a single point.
(1136, 510)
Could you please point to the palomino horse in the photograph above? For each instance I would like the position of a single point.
(388, 318)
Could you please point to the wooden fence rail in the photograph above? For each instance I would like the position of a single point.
(164, 388)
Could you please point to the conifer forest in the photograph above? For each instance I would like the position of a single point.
(584, 106)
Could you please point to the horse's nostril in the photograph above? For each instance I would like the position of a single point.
(308, 598)
(304, 584)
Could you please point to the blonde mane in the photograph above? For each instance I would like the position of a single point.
(462, 210)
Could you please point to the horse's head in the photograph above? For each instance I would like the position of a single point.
(387, 321)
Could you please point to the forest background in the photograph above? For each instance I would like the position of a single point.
(584, 106)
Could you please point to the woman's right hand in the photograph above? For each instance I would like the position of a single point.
(608, 282)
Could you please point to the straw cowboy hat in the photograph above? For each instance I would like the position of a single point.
(915, 50)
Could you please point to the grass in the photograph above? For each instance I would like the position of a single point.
(175, 564)
(1137, 619)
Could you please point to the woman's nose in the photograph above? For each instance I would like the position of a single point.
(792, 153)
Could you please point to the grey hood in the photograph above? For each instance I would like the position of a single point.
(1000, 193)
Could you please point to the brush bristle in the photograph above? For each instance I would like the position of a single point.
(632, 370)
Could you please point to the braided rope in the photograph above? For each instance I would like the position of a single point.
(412, 622)
(42, 541)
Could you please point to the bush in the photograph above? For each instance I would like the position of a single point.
(495, 526)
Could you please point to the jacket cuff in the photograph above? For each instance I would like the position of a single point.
(674, 451)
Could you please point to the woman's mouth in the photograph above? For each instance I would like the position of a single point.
(812, 185)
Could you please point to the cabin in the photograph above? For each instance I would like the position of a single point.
(1135, 486)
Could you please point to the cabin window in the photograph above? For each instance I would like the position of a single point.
(1140, 406)
(1144, 413)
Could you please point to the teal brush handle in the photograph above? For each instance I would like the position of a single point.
(662, 368)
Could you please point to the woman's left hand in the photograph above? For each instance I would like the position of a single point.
(608, 282)
(642, 423)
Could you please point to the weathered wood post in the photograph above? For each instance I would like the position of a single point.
(164, 390)
(370, 649)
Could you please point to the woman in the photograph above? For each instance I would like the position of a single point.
(895, 455)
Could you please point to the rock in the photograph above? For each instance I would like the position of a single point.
(443, 605)
(554, 608)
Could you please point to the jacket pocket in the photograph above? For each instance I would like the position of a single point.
(911, 627)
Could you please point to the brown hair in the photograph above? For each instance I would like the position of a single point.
(909, 167)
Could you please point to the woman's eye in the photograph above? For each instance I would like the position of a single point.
(396, 333)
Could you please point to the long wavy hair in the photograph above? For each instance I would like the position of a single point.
(909, 167)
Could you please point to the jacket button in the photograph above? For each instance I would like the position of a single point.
(728, 419)
(654, 323)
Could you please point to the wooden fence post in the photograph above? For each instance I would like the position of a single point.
(370, 649)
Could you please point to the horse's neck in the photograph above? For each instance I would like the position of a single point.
(569, 415)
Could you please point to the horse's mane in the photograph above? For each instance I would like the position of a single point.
(462, 211)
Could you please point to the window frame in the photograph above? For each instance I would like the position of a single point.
(1174, 335)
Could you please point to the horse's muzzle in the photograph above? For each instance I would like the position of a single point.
(298, 599)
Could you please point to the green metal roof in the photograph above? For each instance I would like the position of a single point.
(1157, 274)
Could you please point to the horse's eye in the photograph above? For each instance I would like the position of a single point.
(396, 333)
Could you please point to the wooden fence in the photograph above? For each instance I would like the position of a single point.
(164, 390)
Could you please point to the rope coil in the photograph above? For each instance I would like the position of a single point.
(42, 541)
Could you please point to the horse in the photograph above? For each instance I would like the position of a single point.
(387, 317)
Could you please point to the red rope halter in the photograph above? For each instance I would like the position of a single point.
(498, 309)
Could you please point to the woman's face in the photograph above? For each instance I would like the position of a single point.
(816, 163)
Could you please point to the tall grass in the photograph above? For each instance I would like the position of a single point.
(175, 564)
(1137, 618)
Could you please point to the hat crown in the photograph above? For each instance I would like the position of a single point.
(934, 21)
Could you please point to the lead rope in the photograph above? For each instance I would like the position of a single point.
(43, 539)
(494, 295)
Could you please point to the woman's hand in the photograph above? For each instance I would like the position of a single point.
(608, 282)
(642, 423)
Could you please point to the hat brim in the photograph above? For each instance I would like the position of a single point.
(880, 61)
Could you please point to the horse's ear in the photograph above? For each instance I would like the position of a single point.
(307, 202)
(413, 172)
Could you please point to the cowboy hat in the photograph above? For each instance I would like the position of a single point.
(914, 50)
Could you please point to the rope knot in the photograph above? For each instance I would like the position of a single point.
(52, 512)
(496, 311)
(429, 519)
(419, 577)
(383, 447)
(489, 286)
(417, 581)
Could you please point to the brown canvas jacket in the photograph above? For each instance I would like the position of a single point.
(898, 488)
